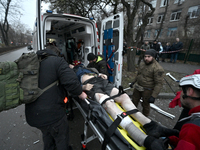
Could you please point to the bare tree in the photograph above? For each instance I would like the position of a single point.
(83, 8)
(163, 19)
(9, 8)
(4, 26)
(129, 33)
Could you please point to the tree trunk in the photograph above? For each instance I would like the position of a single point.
(131, 54)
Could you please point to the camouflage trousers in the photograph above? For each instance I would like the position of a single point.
(144, 95)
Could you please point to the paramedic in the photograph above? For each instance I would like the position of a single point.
(148, 81)
(190, 98)
(47, 113)
(97, 87)
(97, 62)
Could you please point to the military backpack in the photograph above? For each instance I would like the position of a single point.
(19, 81)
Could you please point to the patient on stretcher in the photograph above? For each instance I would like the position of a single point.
(98, 88)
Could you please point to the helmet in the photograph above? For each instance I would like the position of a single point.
(193, 80)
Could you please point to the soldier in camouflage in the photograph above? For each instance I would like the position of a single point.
(148, 81)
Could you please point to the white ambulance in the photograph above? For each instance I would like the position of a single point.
(77, 36)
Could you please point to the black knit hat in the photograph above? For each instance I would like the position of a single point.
(91, 56)
(151, 52)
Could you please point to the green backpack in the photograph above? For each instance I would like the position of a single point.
(19, 81)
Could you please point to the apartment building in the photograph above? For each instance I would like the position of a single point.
(181, 20)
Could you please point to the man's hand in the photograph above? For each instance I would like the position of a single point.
(103, 76)
(131, 85)
(83, 96)
(152, 143)
(157, 130)
(151, 99)
(87, 87)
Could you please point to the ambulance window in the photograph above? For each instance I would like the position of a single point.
(116, 39)
(116, 24)
(108, 25)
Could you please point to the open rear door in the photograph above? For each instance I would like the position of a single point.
(39, 29)
(111, 46)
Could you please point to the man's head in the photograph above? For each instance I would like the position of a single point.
(155, 41)
(177, 39)
(54, 49)
(146, 42)
(190, 96)
(91, 57)
(149, 55)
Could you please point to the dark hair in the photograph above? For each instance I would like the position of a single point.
(91, 56)
(55, 49)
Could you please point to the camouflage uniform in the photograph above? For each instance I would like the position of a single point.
(149, 81)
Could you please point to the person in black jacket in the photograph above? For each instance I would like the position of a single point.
(156, 47)
(175, 47)
(47, 113)
(97, 62)
(166, 48)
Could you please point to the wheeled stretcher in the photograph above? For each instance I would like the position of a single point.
(99, 121)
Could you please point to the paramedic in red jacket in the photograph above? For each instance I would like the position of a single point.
(190, 98)
(47, 113)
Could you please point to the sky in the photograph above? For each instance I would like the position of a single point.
(29, 12)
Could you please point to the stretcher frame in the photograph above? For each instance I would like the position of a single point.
(118, 141)
(96, 133)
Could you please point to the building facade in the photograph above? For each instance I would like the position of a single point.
(182, 19)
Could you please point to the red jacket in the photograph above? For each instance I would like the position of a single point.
(189, 135)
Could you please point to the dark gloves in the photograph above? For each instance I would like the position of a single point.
(157, 130)
(151, 99)
(152, 143)
(131, 85)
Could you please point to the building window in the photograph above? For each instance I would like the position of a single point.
(153, 3)
(160, 18)
(156, 33)
(194, 12)
(147, 34)
(172, 32)
(164, 3)
(150, 20)
(175, 16)
(178, 1)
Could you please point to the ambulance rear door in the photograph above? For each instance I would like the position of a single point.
(111, 46)
(39, 29)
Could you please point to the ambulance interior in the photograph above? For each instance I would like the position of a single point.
(75, 38)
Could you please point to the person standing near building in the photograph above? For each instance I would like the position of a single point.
(48, 112)
(175, 47)
(190, 131)
(144, 47)
(148, 81)
(166, 48)
(156, 47)
(97, 62)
